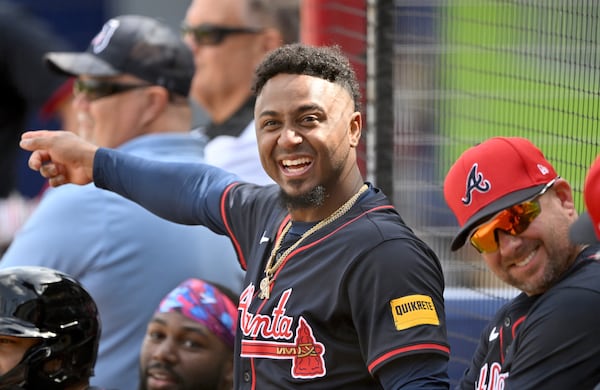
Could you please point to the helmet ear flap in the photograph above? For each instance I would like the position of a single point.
(59, 367)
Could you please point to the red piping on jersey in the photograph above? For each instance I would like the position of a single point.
(517, 323)
(513, 332)
(253, 369)
(236, 244)
(307, 246)
(300, 249)
(399, 351)
(501, 347)
(279, 230)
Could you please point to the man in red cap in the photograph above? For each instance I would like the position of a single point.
(586, 230)
(515, 210)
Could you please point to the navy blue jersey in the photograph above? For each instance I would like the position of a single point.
(549, 341)
(357, 297)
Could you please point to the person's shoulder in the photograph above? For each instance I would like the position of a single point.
(266, 194)
(382, 222)
(579, 287)
(520, 305)
(591, 253)
(69, 196)
(584, 273)
(173, 147)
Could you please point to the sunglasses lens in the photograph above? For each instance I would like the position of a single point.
(96, 89)
(90, 88)
(514, 221)
(211, 35)
(206, 37)
(484, 238)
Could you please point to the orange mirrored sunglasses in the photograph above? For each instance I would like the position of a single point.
(513, 220)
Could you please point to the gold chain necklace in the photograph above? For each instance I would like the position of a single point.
(270, 268)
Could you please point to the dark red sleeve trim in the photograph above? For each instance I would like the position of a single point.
(235, 242)
(412, 348)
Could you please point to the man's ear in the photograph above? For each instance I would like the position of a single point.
(564, 193)
(355, 128)
(157, 99)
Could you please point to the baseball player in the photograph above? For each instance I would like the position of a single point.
(586, 230)
(339, 293)
(517, 215)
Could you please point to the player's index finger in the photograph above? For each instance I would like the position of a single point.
(32, 140)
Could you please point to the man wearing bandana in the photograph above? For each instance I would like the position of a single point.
(189, 340)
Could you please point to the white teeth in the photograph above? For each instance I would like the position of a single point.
(526, 260)
(292, 170)
(288, 163)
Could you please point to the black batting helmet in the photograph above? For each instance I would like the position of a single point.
(45, 304)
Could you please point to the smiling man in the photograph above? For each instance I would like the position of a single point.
(516, 211)
(331, 265)
(189, 340)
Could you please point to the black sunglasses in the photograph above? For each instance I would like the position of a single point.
(96, 89)
(211, 35)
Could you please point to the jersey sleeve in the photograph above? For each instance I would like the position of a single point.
(396, 293)
(186, 193)
(415, 372)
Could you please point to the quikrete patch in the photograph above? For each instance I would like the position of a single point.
(413, 310)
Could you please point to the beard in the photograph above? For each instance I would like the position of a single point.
(313, 198)
(202, 380)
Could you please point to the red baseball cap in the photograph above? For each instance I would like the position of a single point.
(492, 176)
(586, 230)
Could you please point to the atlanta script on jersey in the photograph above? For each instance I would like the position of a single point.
(345, 305)
(352, 297)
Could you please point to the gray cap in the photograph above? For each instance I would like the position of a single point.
(136, 45)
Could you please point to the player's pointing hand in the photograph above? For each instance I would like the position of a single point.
(60, 156)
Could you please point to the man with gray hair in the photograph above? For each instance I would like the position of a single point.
(131, 93)
(229, 38)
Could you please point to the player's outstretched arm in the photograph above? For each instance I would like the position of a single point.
(60, 156)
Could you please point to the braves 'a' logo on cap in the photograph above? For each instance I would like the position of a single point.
(101, 40)
(475, 181)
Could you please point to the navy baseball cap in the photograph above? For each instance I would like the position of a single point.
(132, 44)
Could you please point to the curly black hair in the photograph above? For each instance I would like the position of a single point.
(325, 62)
